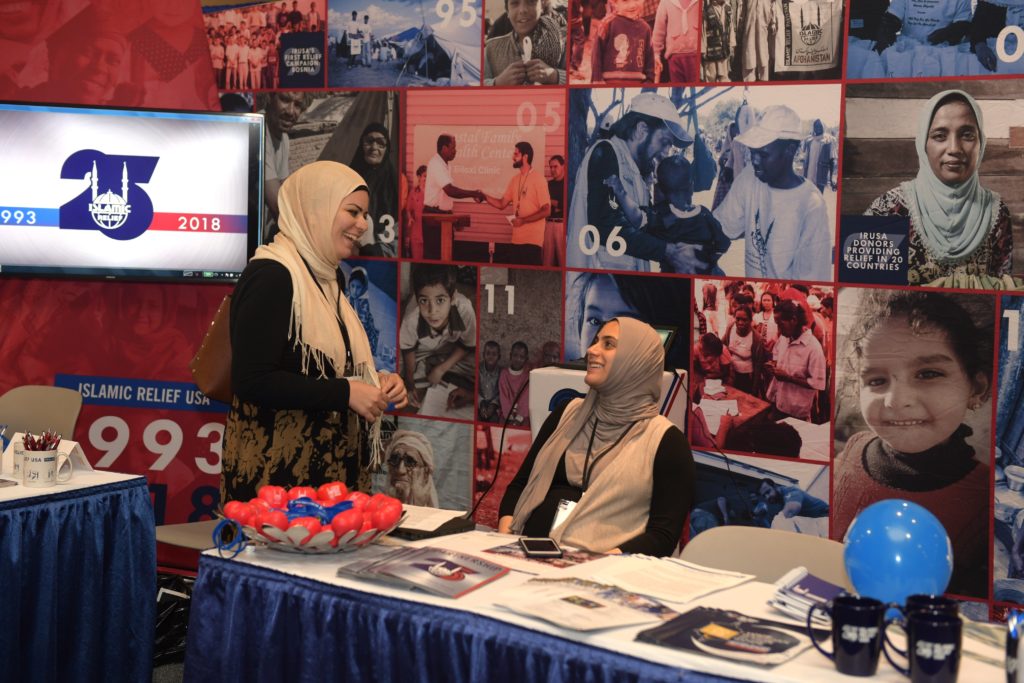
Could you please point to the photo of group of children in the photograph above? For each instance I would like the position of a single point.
(267, 45)
(828, 264)
(762, 368)
(517, 335)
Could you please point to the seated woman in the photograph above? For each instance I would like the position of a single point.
(534, 52)
(634, 465)
(960, 232)
(301, 362)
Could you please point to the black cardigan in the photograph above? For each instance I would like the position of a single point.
(671, 497)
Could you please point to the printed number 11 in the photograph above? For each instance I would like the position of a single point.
(510, 290)
(1013, 329)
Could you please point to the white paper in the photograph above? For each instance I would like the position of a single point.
(426, 518)
(571, 605)
(713, 387)
(714, 410)
(435, 403)
(668, 579)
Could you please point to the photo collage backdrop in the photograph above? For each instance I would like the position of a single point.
(828, 239)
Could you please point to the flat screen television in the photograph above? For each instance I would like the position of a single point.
(96, 192)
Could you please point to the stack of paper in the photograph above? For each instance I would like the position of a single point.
(798, 590)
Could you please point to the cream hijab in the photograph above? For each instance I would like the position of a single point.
(626, 401)
(308, 202)
(953, 221)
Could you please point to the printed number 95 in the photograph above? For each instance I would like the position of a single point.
(446, 10)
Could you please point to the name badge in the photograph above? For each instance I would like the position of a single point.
(562, 513)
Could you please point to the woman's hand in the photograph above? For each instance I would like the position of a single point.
(367, 400)
(539, 72)
(514, 74)
(505, 525)
(394, 389)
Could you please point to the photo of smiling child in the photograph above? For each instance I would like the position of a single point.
(914, 415)
(437, 338)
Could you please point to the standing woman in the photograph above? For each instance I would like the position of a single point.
(960, 232)
(372, 160)
(628, 468)
(507, 61)
(298, 348)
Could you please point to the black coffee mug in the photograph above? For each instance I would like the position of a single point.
(857, 627)
(920, 602)
(933, 647)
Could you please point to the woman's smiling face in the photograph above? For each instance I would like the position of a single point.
(350, 223)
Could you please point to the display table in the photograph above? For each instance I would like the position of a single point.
(78, 580)
(272, 616)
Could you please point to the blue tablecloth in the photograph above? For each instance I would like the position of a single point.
(255, 624)
(78, 585)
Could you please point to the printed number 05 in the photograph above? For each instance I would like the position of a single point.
(446, 10)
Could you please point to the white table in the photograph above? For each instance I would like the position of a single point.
(268, 570)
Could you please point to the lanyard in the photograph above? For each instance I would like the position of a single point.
(588, 466)
(341, 325)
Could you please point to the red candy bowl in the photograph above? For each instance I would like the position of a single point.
(324, 525)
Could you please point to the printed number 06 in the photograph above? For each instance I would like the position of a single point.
(616, 244)
(446, 10)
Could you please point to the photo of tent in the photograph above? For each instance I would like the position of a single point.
(402, 43)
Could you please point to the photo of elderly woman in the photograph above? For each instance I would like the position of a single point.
(525, 44)
(947, 214)
(426, 462)
(374, 160)
(913, 414)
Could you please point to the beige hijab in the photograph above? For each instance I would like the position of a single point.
(626, 402)
(308, 201)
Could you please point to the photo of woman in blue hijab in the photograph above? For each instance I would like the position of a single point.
(960, 232)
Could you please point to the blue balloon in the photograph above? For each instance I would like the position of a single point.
(894, 549)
